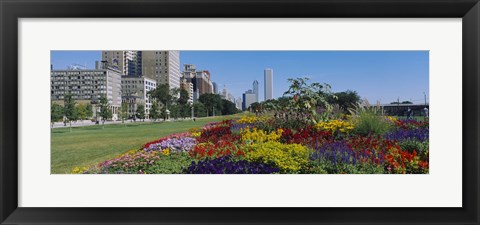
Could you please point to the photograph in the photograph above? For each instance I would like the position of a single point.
(239, 112)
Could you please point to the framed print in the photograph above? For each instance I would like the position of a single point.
(252, 112)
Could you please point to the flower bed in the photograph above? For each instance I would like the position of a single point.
(252, 145)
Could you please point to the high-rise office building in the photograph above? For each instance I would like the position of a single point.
(201, 81)
(238, 103)
(255, 90)
(162, 66)
(268, 81)
(188, 86)
(128, 62)
(215, 88)
(248, 99)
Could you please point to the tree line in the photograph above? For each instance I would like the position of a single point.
(166, 102)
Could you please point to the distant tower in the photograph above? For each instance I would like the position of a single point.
(268, 76)
(215, 88)
(255, 90)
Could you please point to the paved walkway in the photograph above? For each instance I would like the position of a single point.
(82, 123)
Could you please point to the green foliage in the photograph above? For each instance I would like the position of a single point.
(140, 113)
(345, 100)
(82, 111)
(89, 110)
(70, 109)
(228, 107)
(307, 97)
(199, 109)
(124, 111)
(369, 120)
(413, 145)
(185, 111)
(154, 111)
(162, 94)
(211, 102)
(56, 113)
(105, 111)
(184, 97)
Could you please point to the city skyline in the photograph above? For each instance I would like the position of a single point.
(376, 75)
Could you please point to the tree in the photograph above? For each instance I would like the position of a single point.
(105, 111)
(89, 110)
(184, 97)
(140, 113)
(256, 107)
(70, 111)
(175, 111)
(56, 113)
(346, 100)
(124, 111)
(228, 107)
(154, 113)
(199, 109)
(307, 97)
(407, 102)
(211, 102)
(82, 111)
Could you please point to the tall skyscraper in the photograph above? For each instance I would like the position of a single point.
(128, 62)
(162, 66)
(248, 99)
(255, 90)
(268, 82)
(215, 88)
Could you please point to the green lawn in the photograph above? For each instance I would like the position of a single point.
(89, 145)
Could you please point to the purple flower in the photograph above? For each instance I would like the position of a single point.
(225, 165)
(419, 134)
(183, 144)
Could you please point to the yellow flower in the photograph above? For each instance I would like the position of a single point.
(166, 151)
(290, 158)
(335, 125)
(78, 170)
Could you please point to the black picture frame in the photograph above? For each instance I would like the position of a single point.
(12, 10)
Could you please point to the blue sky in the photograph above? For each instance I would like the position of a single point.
(375, 75)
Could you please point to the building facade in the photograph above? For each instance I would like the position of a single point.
(87, 86)
(135, 92)
(248, 99)
(255, 90)
(162, 66)
(268, 82)
(201, 80)
(128, 62)
(188, 86)
(238, 103)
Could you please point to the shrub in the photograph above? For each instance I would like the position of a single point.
(368, 123)
(289, 158)
(369, 120)
(226, 165)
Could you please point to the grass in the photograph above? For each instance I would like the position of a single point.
(89, 145)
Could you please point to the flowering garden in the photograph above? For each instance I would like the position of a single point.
(298, 134)
(256, 145)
